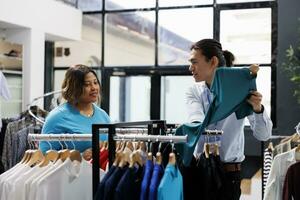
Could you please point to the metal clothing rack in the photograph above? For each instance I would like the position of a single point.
(153, 129)
(36, 99)
(120, 131)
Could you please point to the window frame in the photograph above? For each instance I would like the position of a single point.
(156, 71)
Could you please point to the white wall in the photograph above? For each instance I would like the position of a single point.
(52, 17)
(29, 23)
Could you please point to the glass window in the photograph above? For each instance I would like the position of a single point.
(263, 82)
(12, 107)
(130, 98)
(129, 39)
(238, 1)
(128, 4)
(173, 89)
(59, 76)
(163, 3)
(247, 34)
(90, 5)
(179, 29)
(87, 51)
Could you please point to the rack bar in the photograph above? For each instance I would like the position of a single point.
(125, 137)
(212, 132)
(60, 137)
(152, 138)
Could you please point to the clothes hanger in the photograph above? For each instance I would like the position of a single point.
(172, 156)
(206, 148)
(270, 147)
(63, 154)
(216, 149)
(75, 154)
(158, 155)
(36, 157)
(135, 158)
(125, 158)
(51, 155)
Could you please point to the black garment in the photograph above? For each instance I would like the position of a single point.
(231, 189)
(204, 176)
(100, 190)
(2, 136)
(191, 180)
(129, 187)
(112, 182)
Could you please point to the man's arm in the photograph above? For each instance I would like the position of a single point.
(194, 106)
(260, 122)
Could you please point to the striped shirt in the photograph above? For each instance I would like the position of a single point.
(268, 158)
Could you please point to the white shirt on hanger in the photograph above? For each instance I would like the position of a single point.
(72, 180)
(7, 186)
(19, 192)
(31, 185)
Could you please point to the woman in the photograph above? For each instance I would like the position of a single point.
(80, 89)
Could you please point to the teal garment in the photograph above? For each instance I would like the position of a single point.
(231, 87)
(67, 119)
(171, 184)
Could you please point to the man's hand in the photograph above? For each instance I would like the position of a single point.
(87, 154)
(255, 101)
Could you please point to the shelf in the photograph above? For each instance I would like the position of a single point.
(2, 56)
(8, 62)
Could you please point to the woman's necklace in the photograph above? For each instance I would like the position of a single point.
(87, 114)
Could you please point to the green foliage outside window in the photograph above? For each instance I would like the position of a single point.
(292, 66)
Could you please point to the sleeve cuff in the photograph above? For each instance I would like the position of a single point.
(261, 111)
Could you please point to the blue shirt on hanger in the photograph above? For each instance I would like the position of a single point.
(146, 180)
(157, 174)
(171, 185)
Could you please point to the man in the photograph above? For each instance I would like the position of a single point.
(205, 57)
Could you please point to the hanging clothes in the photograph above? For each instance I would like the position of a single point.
(156, 177)
(170, 186)
(4, 91)
(281, 163)
(146, 180)
(268, 159)
(292, 183)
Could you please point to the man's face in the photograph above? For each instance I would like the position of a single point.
(201, 69)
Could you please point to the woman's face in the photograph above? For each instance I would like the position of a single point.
(91, 89)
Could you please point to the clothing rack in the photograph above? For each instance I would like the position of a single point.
(35, 100)
(119, 131)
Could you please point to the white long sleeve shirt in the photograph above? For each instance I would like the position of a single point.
(198, 100)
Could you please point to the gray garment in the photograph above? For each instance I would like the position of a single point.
(7, 152)
(22, 144)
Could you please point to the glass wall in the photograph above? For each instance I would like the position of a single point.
(141, 39)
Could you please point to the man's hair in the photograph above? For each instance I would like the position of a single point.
(73, 83)
(210, 48)
(229, 57)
